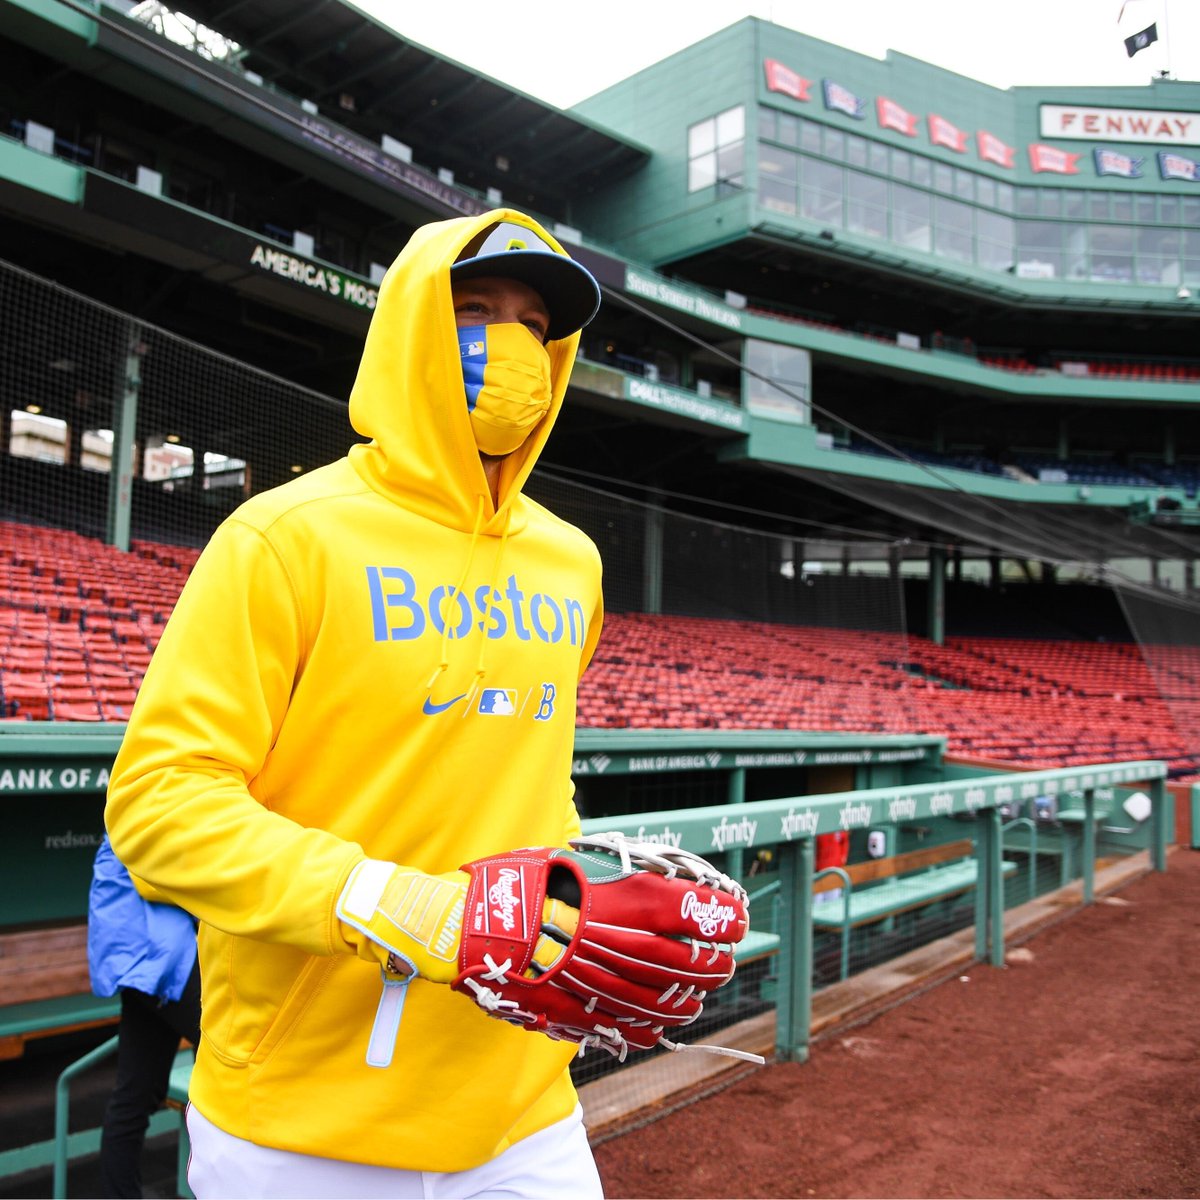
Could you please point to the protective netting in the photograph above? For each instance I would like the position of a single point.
(665, 562)
(1167, 627)
(209, 430)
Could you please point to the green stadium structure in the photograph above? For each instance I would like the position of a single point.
(888, 428)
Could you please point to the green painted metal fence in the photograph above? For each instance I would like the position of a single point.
(789, 825)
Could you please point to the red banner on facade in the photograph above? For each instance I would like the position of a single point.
(992, 149)
(892, 116)
(1051, 158)
(784, 79)
(943, 133)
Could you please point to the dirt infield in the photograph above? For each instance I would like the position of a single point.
(1071, 1072)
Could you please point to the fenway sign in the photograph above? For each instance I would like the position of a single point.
(1082, 123)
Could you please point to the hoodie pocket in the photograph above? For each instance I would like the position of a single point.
(300, 996)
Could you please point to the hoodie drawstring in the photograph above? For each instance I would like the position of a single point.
(447, 635)
(480, 670)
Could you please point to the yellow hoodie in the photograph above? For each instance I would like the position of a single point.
(334, 685)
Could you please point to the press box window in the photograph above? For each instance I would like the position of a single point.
(716, 150)
(777, 381)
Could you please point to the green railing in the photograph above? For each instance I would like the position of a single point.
(789, 825)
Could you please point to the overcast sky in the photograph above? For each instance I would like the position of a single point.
(564, 52)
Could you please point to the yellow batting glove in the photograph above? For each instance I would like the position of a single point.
(408, 922)
(559, 922)
(411, 923)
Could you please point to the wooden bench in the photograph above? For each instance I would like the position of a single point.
(885, 887)
(45, 987)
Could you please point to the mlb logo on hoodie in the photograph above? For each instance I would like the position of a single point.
(498, 702)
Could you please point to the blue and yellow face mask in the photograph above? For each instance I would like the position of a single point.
(506, 374)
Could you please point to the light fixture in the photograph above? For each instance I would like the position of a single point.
(33, 408)
(296, 469)
(173, 438)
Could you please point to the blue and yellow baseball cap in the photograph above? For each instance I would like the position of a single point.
(512, 251)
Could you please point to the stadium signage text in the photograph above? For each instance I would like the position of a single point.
(687, 404)
(662, 292)
(52, 780)
(855, 816)
(666, 835)
(1080, 123)
(733, 833)
(320, 279)
(779, 758)
(617, 763)
(802, 824)
(371, 159)
(789, 820)
(941, 804)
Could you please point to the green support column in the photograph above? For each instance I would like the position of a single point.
(981, 906)
(793, 1010)
(125, 406)
(989, 889)
(937, 595)
(1195, 814)
(737, 795)
(652, 561)
(1160, 799)
(1089, 846)
(995, 860)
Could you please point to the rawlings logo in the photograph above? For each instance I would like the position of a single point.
(710, 916)
(504, 900)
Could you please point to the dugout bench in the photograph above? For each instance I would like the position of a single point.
(873, 890)
(45, 986)
(878, 889)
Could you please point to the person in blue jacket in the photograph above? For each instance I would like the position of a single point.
(147, 952)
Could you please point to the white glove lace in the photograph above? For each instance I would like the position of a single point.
(654, 856)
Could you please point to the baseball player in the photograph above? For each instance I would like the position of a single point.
(362, 703)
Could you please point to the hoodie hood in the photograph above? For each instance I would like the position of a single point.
(408, 396)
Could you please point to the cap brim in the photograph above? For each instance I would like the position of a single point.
(570, 292)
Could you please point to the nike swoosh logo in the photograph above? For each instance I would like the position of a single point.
(431, 710)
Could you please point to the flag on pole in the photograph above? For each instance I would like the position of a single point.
(1139, 41)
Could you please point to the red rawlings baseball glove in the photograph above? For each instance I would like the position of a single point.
(647, 931)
